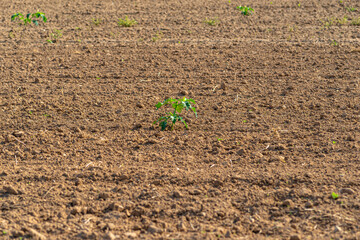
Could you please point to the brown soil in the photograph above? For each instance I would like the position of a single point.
(278, 130)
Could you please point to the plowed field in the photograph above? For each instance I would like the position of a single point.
(274, 152)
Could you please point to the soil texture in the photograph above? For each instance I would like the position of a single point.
(274, 152)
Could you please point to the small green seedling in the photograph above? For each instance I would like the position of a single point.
(245, 10)
(211, 21)
(157, 37)
(96, 21)
(356, 21)
(351, 9)
(178, 105)
(334, 195)
(55, 36)
(126, 22)
(334, 43)
(29, 18)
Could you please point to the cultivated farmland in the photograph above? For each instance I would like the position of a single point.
(273, 152)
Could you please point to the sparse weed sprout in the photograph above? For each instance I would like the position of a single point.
(211, 21)
(356, 21)
(126, 22)
(54, 36)
(96, 21)
(29, 18)
(157, 37)
(178, 105)
(351, 9)
(245, 10)
(334, 43)
(334, 21)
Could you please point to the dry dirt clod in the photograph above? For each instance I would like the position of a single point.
(18, 133)
(181, 226)
(288, 203)
(131, 234)
(153, 229)
(10, 138)
(36, 235)
(308, 205)
(195, 192)
(295, 237)
(10, 190)
(184, 92)
(337, 229)
(115, 207)
(110, 236)
(223, 86)
(104, 195)
(347, 191)
(177, 194)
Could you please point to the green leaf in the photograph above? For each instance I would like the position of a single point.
(36, 22)
(173, 119)
(194, 110)
(158, 105)
(179, 108)
(163, 125)
(334, 195)
(28, 15)
(184, 122)
(187, 105)
(15, 16)
(162, 118)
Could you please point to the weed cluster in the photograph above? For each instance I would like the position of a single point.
(211, 21)
(333, 21)
(126, 22)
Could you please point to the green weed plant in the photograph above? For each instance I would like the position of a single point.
(29, 18)
(172, 117)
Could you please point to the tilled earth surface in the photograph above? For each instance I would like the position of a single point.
(274, 152)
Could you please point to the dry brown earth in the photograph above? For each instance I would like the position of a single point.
(278, 130)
